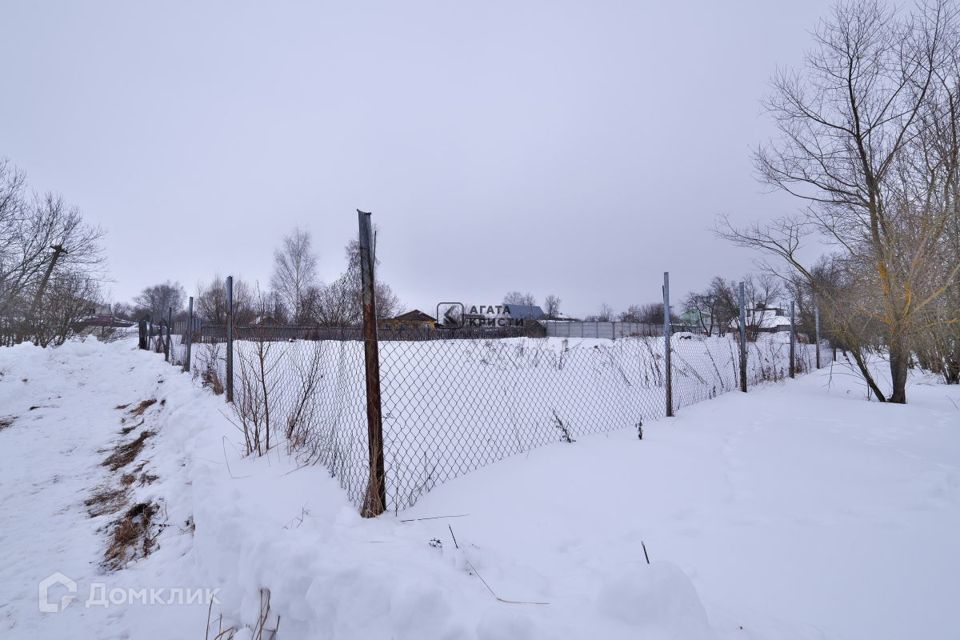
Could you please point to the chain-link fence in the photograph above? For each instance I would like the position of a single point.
(392, 411)
(453, 403)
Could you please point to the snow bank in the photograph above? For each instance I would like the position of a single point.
(767, 515)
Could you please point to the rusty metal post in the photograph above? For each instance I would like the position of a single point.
(229, 381)
(375, 500)
(667, 361)
(189, 336)
(743, 340)
(165, 339)
(816, 326)
(793, 341)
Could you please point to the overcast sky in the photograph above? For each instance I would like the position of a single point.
(573, 148)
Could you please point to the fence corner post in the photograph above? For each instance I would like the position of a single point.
(793, 341)
(375, 498)
(229, 381)
(743, 340)
(667, 334)
(189, 332)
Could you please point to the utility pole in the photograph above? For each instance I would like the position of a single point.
(58, 249)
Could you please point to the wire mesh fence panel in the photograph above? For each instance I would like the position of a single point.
(703, 367)
(308, 397)
(453, 406)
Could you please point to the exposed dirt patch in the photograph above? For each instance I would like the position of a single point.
(125, 453)
(132, 536)
(105, 501)
(121, 407)
(6, 421)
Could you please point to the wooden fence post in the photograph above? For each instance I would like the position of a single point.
(743, 340)
(375, 499)
(666, 343)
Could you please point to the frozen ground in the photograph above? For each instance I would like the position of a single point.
(796, 511)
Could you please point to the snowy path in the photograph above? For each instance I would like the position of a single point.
(63, 404)
(793, 512)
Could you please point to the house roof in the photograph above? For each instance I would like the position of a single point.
(414, 316)
(526, 311)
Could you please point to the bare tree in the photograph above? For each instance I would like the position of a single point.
(515, 297)
(551, 306)
(156, 300)
(855, 134)
(46, 251)
(294, 273)
(651, 313)
(339, 303)
(211, 302)
(604, 314)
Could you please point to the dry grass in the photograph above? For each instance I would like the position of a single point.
(125, 453)
(258, 631)
(6, 421)
(105, 501)
(142, 406)
(132, 536)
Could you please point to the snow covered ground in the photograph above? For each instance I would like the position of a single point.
(796, 511)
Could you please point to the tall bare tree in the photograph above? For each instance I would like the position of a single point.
(551, 306)
(852, 127)
(294, 273)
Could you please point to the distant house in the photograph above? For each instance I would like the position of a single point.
(525, 312)
(415, 319)
(764, 320)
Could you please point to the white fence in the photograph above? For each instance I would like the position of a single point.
(609, 330)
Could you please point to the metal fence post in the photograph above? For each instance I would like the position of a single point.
(170, 334)
(793, 341)
(189, 332)
(375, 499)
(229, 380)
(743, 340)
(668, 378)
(816, 324)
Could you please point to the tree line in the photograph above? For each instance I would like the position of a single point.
(296, 295)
